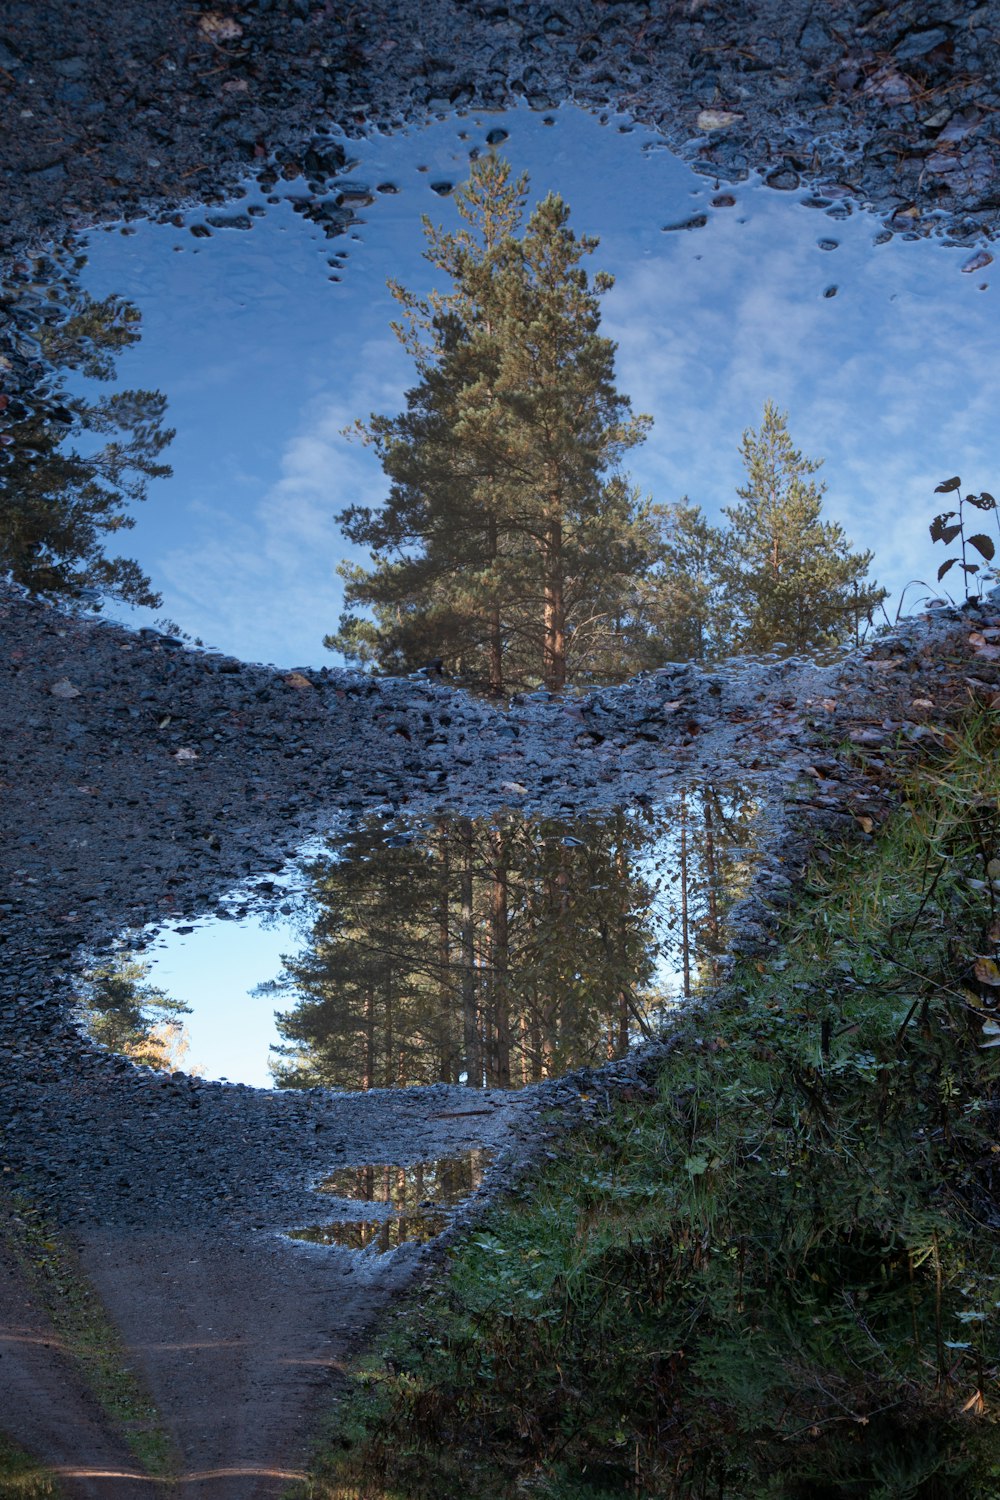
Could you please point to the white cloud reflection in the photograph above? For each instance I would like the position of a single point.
(890, 381)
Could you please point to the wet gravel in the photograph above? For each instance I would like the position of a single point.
(109, 110)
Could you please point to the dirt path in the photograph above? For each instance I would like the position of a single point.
(238, 1344)
(47, 1409)
(238, 1335)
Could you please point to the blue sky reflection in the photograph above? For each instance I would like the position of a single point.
(265, 360)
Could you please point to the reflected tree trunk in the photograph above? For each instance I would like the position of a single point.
(368, 1081)
(554, 647)
(449, 1069)
(499, 962)
(685, 919)
(494, 628)
(710, 868)
(470, 1016)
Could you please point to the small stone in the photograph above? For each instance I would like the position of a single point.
(717, 119)
(978, 261)
(696, 221)
(64, 689)
(219, 28)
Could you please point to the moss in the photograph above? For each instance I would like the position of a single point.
(778, 1279)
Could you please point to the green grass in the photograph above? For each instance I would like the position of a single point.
(21, 1478)
(88, 1336)
(778, 1278)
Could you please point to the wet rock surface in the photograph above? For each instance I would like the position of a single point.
(111, 110)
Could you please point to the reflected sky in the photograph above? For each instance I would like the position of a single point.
(881, 353)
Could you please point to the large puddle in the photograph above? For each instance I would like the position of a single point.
(490, 952)
(265, 323)
(500, 951)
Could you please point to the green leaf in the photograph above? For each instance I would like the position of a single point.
(983, 545)
(947, 485)
(695, 1166)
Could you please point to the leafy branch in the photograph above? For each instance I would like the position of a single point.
(945, 528)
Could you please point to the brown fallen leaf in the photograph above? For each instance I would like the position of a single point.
(297, 680)
(987, 971)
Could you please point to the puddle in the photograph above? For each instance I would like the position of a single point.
(416, 1194)
(491, 951)
(442, 1183)
(265, 323)
(380, 1235)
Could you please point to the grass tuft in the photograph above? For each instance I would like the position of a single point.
(21, 1478)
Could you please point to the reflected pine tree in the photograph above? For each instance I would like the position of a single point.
(72, 466)
(122, 1011)
(503, 951)
(510, 541)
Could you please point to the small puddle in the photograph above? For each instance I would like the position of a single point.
(381, 1235)
(485, 951)
(415, 1194)
(442, 1183)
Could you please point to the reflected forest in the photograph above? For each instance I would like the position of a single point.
(498, 952)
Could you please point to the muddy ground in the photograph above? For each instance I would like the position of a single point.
(174, 1189)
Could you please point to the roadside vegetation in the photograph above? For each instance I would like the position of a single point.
(777, 1272)
(88, 1338)
(21, 1478)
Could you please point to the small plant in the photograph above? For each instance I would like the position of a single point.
(945, 528)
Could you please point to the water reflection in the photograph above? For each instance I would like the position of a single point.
(441, 1183)
(72, 463)
(415, 1194)
(501, 951)
(266, 362)
(380, 1235)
